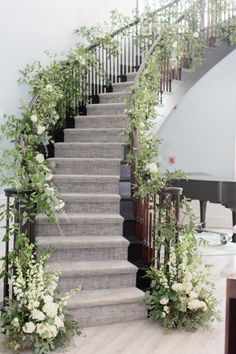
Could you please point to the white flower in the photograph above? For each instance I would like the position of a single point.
(48, 177)
(33, 305)
(193, 294)
(177, 287)
(164, 301)
(60, 206)
(58, 322)
(50, 309)
(152, 167)
(38, 315)
(188, 287)
(163, 314)
(195, 35)
(195, 305)
(39, 158)
(49, 88)
(42, 330)
(175, 45)
(47, 299)
(166, 309)
(15, 322)
(34, 118)
(29, 327)
(40, 129)
(203, 305)
(53, 331)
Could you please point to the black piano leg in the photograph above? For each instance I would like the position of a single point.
(234, 223)
(203, 207)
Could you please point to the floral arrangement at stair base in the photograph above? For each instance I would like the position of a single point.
(181, 294)
(36, 317)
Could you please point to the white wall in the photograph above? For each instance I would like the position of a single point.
(29, 27)
(200, 133)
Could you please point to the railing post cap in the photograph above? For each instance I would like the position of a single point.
(173, 190)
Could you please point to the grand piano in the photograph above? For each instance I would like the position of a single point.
(208, 188)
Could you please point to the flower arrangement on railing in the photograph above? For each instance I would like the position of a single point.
(181, 294)
(36, 317)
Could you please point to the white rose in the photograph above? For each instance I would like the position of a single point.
(34, 118)
(38, 315)
(195, 305)
(29, 327)
(58, 322)
(177, 287)
(175, 45)
(50, 309)
(39, 158)
(166, 309)
(152, 167)
(193, 294)
(42, 330)
(33, 305)
(164, 301)
(53, 331)
(195, 35)
(15, 322)
(48, 177)
(40, 129)
(47, 299)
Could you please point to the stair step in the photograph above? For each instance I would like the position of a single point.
(84, 248)
(80, 224)
(96, 274)
(113, 97)
(91, 203)
(97, 307)
(131, 76)
(95, 135)
(123, 86)
(107, 121)
(100, 150)
(85, 166)
(106, 108)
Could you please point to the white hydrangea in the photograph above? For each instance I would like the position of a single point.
(164, 301)
(44, 330)
(38, 315)
(34, 118)
(188, 287)
(193, 294)
(40, 129)
(39, 158)
(51, 309)
(33, 305)
(152, 167)
(48, 177)
(195, 35)
(47, 299)
(195, 305)
(29, 327)
(178, 287)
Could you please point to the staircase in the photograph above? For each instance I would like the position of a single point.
(87, 240)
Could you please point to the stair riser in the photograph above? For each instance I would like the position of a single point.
(102, 281)
(101, 315)
(86, 167)
(109, 151)
(101, 110)
(91, 136)
(87, 187)
(101, 122)
(88, 254)
(114, 98)
(123, 88)
(92, 207)
(80, 229)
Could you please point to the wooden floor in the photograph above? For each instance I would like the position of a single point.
(146, 337)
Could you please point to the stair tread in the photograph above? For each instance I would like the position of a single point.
(94, 129)
(85, 177)
(89, 143)
(94, 267)
(82, 241)
(103, 116)
(106, 94)
(66, 218)
(109, 104)
(84, 158)
(90, 195)
(105, 297)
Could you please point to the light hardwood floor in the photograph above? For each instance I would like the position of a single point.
(146, 337)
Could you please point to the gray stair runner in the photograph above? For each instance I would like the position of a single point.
(87, 240)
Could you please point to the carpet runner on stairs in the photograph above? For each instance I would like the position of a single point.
(87, 241)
